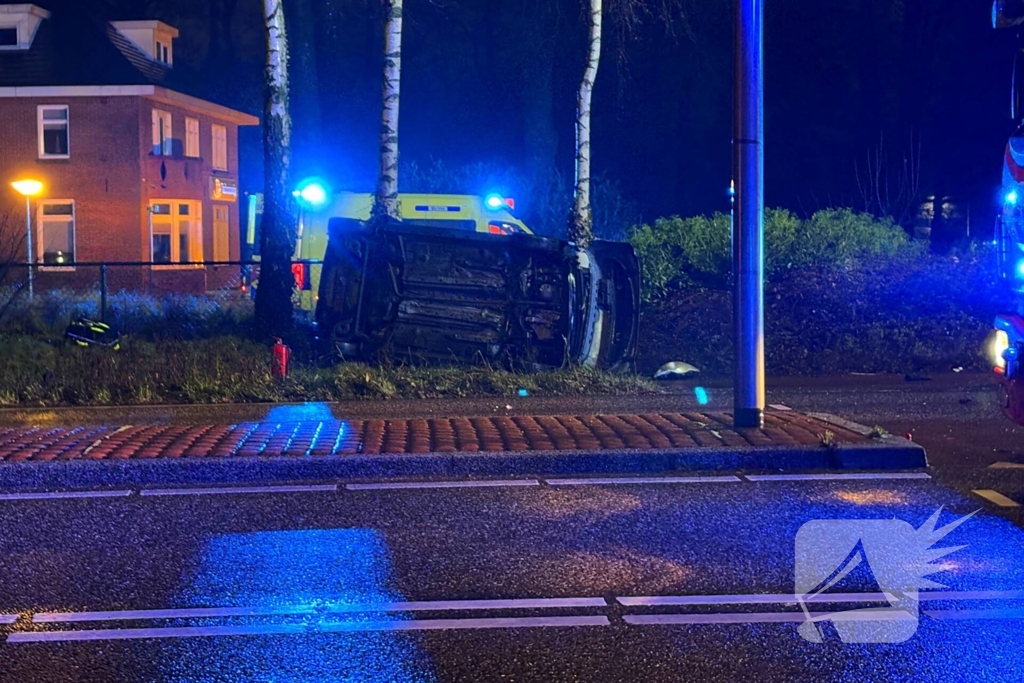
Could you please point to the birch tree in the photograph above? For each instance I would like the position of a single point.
(279, 228)
(385, 205)
(581, 229)
(626, 17)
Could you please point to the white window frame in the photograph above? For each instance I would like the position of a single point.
(163, 133)
(219, 147)
(192, 137)
(162, 52)
(41, 218)
(41, 127)
(175, 219)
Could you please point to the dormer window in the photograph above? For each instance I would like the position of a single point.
(18, 25)
(154, 38)
(162, 52)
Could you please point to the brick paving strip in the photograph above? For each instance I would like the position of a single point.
(503, 434)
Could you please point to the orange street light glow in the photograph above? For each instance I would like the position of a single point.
(28, 188)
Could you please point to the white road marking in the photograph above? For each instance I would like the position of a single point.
(417, 606)
(839, 476)
(781, 407)
(478, 483)
(485, 623)
(326, 627)
(766, 617)
(139, 633)
(753, 599)
(64, 494)
(239, 489)
(1006, 466)
(975, 613)
(996, 497)
(8, 618)
(785, 598)
(640, 480)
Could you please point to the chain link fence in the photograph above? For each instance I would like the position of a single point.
(45, 297)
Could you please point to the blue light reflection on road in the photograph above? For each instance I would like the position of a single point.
(304, 568)
(300, 412)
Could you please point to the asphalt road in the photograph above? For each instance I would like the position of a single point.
(625, 581)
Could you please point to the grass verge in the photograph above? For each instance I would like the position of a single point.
(234, 370)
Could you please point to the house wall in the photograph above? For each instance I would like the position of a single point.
(101, 175)
(112, 175)
(179, 177)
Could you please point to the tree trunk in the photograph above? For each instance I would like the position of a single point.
(581, 225)
(385, 205)
(278, 234)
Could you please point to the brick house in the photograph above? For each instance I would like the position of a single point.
(134, 167)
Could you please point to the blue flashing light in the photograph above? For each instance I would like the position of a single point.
(1011, 198)
(1019, 270)
(494, 201)
(702, 395)
(312, 192)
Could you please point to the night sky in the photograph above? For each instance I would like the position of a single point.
(494, 83)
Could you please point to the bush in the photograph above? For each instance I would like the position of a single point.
(680, 253)
(887, 315)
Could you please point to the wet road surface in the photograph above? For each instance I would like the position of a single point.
(688, 578)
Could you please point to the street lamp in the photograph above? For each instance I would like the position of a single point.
(28, 188)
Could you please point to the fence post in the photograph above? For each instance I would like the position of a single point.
(103, 292)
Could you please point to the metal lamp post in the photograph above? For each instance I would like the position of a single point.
(748, 217)
(28, 189)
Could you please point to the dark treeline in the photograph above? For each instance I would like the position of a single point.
(912, 94)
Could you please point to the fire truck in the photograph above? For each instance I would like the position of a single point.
(1006, 343)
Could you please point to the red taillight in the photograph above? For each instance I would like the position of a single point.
(495, 229)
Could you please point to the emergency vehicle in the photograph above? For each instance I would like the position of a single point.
(491, 214)
(1006, 343)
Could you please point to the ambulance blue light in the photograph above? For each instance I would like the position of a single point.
(312, 192)
(494, 201)
(1019, 269)
(1011, 198)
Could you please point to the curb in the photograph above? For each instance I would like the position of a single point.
(892, 454)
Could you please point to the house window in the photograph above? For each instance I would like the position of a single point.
(221, 233)
(53, 131)
(162, 141)
(162, 52)
(219, 135)
(192, 138)
(56, 232)
(177, 231)
(8, 36)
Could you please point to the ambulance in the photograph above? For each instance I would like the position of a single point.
(491, 214)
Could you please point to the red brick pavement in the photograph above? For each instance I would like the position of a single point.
(516, 433)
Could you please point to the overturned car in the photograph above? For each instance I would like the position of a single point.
(427, 293)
